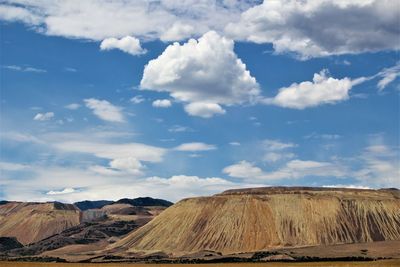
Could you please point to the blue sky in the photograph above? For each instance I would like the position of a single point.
(166, 100)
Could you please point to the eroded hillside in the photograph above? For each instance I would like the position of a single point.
(44, 227)
(258, 219)
(31, 222)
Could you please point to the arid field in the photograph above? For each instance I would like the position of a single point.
(384, 263)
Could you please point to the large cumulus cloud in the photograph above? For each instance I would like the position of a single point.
(205, 74)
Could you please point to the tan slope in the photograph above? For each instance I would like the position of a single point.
(31, 222)
(257, 219)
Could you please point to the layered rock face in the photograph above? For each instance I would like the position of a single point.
(248, 220)
(31, 222)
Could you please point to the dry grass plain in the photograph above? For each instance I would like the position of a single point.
(383, 263)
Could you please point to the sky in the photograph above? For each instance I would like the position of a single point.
(174, 99)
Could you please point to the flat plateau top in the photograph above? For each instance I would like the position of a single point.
(391, 192)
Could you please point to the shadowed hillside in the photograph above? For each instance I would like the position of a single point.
(257, 219)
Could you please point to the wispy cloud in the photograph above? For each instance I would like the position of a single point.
(388, 76)
(276, 150)
(179, 129)
(73, 106)
(24, 69)
(69, 69)
(195, 146)
(293, 169)
(162, 103)
(137, 99)
(44, 116)
(62, 192)
(105, 110)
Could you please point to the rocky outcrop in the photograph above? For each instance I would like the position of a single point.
(263, 218)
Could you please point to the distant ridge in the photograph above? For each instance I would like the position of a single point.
(145, 202)
(95, 204)
(140, 201)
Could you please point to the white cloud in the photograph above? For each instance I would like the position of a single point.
(44, 116)
(179, 129)
(129, 164)
(122, 175)
(277, 156)
(234, 143)
(69, 69)
(293, 169)
(137, 99)
(322, 136)
(276, 145)
(243, 169)
(195, 146)
(380, 166)
(24, 69)
(322, 90)
(204, 74)
(128, 44)
(99, 143)
(204, 110)
(94, 183)
(190, 186)
(162, 103)
(105, 110)
(309, 28)
(84, 153)
(107, 171)
(113, 151)
(101, 19)
(20, 137)
(31, 69)
(178, 31)
(275, 150)
(15, 13)
(376, 166)
(62, 192)
(73, 106)
(388, 76)
(321, 28)
(10, 166)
